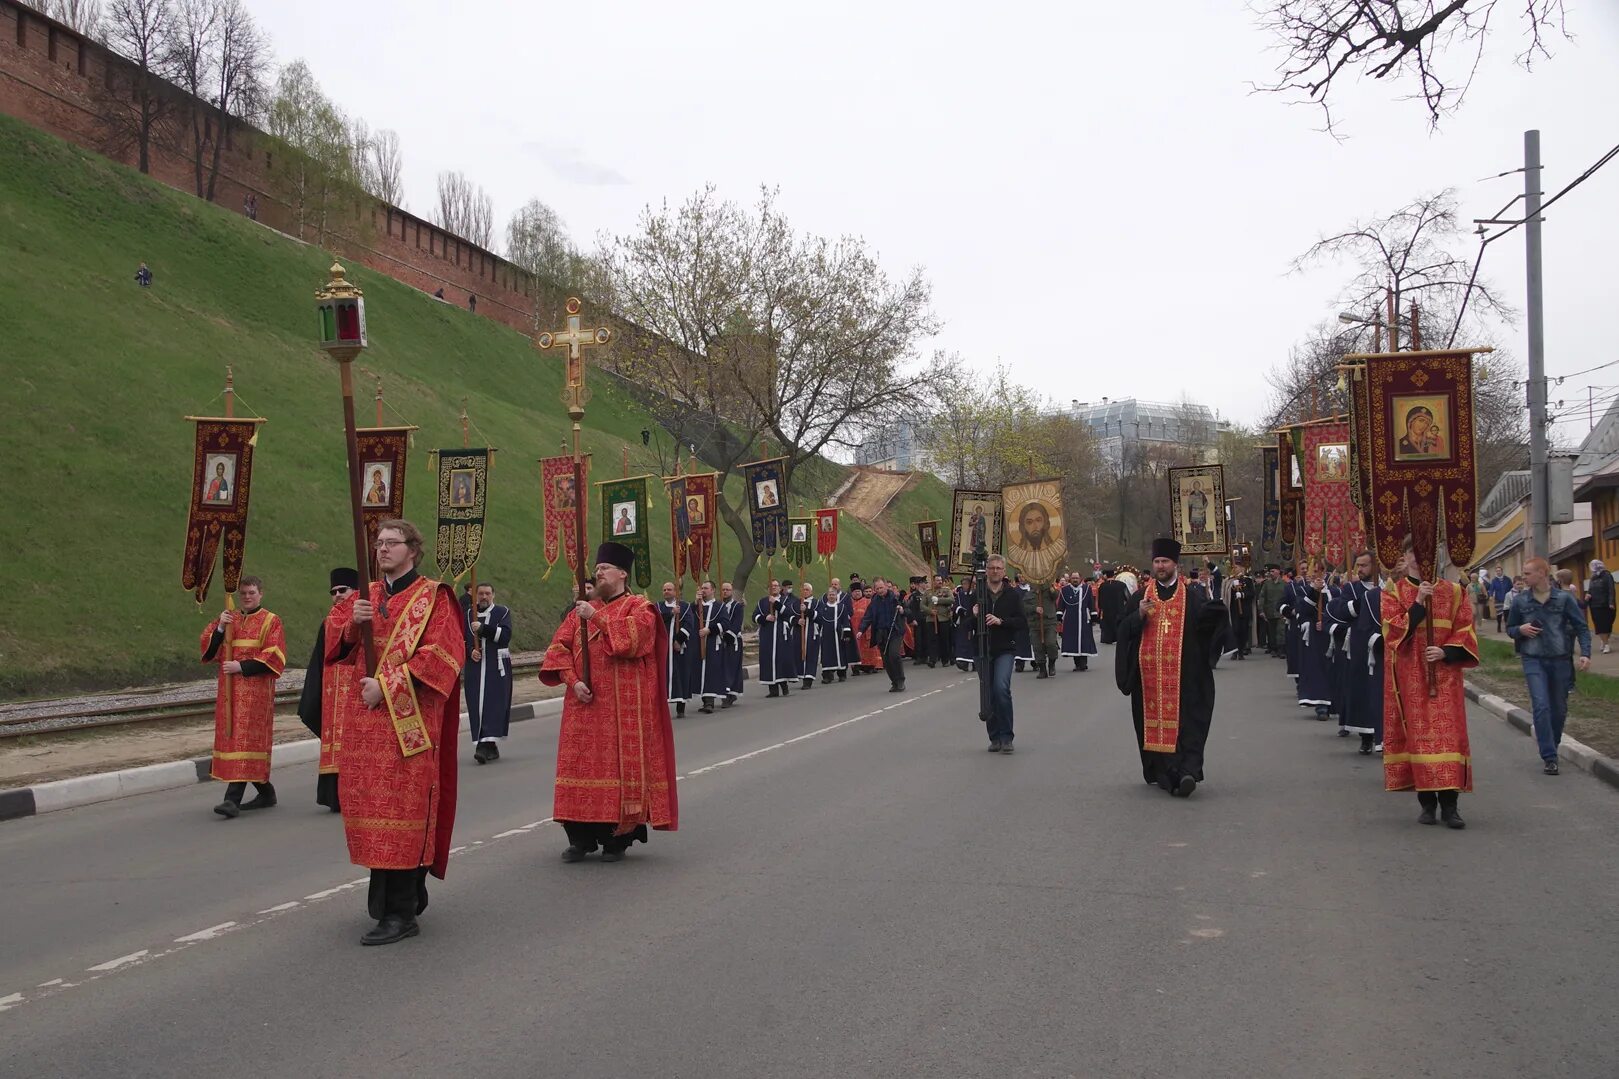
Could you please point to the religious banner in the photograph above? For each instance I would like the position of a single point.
(1331, 525)
(766, 485)
(1197, 509)
(1360, 438)
(679, 523)
(1036, 541)
(800, 551)
(221, 475)
(702, 523)
(1270, 467)
(463, 475)
(382, 479)
(976, 519)
(1292, 464)
(1421, 445)
(627, 519)
(826, 534)
(559, 504)
(927, 536)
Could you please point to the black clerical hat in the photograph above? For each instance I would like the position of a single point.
(1164, 547)
(343, 577)
(918, 579)
(615, 554)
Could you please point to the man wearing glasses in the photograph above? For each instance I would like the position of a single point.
(396, 771)
(327, 692)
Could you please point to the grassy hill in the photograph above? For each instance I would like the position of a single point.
(99, 373)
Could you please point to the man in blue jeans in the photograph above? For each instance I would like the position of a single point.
(1003, 622)
(1545, 622)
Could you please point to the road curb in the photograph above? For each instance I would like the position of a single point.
(1573, 751)
(78, 791)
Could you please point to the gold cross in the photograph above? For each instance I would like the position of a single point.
(577, 338)
(1163, 626)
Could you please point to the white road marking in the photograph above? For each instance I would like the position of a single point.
(205, 934)
(114, 964)
(101, 970)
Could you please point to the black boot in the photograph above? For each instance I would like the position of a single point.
(230, 806)
(1042, 673)
(843, 676)
(1365, 745)
(1430, 804)
(480, 753)
(1447, 810)
(680, 709)
(264, 799)
(772, 692)
(708, 706)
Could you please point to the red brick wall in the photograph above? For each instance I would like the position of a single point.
(59, 82)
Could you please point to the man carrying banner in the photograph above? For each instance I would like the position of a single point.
(1077, 606)
(489, 674)
(1044, 630)
(832, 626)
(615, 752)
(711, 680)
(1425, 746)
(772, 617)
(1164, 665)
(807, 635)
(397, 774)
(244, 707)
(730, 619)
(680, 630)
(327, 693)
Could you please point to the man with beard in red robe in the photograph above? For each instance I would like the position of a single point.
(616, 750)
(396, 777)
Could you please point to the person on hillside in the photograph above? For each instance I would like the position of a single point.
(1164, 665)
(1546, 623)
(884, 625)
(836, 634)
(1359, 607)
(1003, 619)
(397, 770)
(1599, 600)
(615, 773)
(250, 649)
(488, 674)
(143, 276)
(327, 693)
(1425, 745)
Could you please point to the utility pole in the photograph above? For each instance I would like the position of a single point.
(1539, 493)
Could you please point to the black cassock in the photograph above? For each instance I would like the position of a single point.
(1205, 635)
(1113, 600)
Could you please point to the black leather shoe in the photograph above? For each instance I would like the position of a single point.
(1042, 673)
(612, 856)
(1185, 787)
(480, 755)
(707, 709)
(1365, 745)
(995, 747)
(390, 930)
(494, 750)
(727, 702)
(262, 800)
(897, 689)
(1427, 816)
(1451, 818)
(228, 809)
(772, 692)
(680, 709)
(574, 854)
(1550, 768)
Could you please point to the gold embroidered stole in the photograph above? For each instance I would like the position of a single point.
(1160, 658)
(398, 688)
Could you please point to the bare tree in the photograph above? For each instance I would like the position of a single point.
(192, 51)
(1410, 41)
(387, 167)
(140, 30)
(85, 16)
(241, 66)
(538, 241)
(465, 209)
(359, 138)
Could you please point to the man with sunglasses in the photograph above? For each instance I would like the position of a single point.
(327, 692)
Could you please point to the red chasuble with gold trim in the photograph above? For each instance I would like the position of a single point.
(337, 694)
(615, 755)
(1160, 660)
(396, 774)
(244, 707)
(1425, 744)
(870, 654)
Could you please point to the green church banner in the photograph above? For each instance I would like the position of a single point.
(627, 519)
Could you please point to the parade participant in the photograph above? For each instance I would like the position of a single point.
(1044, 632)
(884, 625)
(1292, 631)
(1271, 595)
(1078, 615)
(1112, 598)
(711, 679)
(680, 630)
(836, 633)
(249, 661)
(964, 628)
(939, 606)
(806, 635)
(397, 772)
(1025, 638)
(1163, 664)
(772, 616)
(1314, 688)
(1002, 620)
(730, 618)
(918, 631)
(1425, 746)
(326, 693)
(488, 676)
(858, 602)
(1547, 624)
(615, 772)
(1359, 607)
(1238, 595)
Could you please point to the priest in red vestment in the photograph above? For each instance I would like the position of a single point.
(616, 750)
(1424, 704)
(250, 648)
(396, 774)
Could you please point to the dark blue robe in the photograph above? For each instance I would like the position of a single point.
(835, 634)
(1360, 606)
(730, 617)
(964, 629)
(489, 681)
(778, 659)
(1292, 634)
(1315, 678)
(680, 626)
(806, 633)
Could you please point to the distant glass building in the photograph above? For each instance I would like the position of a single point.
(1124, 426)
(894, 448)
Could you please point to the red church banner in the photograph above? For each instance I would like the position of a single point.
(702, 520)
(826, 533)
(382, 479)
(1331, 524)
(221, 475)
(559, 494)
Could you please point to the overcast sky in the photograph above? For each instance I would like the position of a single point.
(1097, 197)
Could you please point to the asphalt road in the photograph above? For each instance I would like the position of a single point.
(857, 889)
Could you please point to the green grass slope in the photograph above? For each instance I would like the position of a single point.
(97, 375)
